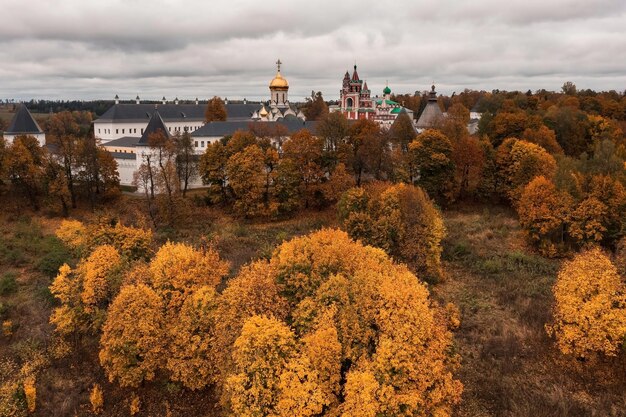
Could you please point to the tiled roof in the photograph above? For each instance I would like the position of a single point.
(125, 142)
(23, 122)
(173, 112)
(155, 125)
(221, 129)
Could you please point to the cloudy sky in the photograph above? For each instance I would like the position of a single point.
(96, 49)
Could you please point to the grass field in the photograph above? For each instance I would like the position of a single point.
(509, 365)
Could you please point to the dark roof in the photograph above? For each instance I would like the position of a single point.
(431, 113)
(173, 112)
(221, 129)
(23, 122)
(126, 141)
(123, 155)
(155, 125)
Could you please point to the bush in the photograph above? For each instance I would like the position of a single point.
(8, 283)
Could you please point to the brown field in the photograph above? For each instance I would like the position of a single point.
(509, 365)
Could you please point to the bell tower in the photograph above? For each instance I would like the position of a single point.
(279, 89)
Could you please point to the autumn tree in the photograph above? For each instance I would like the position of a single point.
(132, 342)
(402, 132)
(519, 162)
(64, 133)
(402, 220)
(544, 137)
(305, 150)
(191, 353)
(315, 107)
(333, 128)
(246, 178)
(215, 110)
(431, 154)
(364, 149)
(253, 291)
(543, 213)
(25, 162)
(212, 168)
(186, 160)
(178, 269)
(469, 161)
(589, 310)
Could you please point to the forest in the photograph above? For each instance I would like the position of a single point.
(346, 271)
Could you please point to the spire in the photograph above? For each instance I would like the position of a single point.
(155, 125)
(355, 75)
(433, 94)
(137, 99)
(278, 64)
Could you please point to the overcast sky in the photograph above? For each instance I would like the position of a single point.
(97, 49)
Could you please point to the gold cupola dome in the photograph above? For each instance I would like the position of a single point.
(279, 81)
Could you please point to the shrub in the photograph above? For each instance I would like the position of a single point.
(96, 398)
(8, 283)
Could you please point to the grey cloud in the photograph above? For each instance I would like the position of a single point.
(73, 49)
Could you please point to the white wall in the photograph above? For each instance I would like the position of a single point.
(41, 138)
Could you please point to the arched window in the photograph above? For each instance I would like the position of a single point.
(349, 102)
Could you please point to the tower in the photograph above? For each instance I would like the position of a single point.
(279, 88)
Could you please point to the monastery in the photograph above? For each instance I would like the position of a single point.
(124, 128)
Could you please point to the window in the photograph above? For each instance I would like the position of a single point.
(117, 131)
(202, 143)
(142, 131)
(98, 130)
(196, 144)
(122, 131)
(169, 128)
(135, 131)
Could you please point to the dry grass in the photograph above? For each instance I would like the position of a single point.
(510, 367)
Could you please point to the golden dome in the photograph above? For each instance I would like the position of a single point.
(263, 112)
(279, 81)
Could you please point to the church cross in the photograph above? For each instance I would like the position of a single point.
(278, 64)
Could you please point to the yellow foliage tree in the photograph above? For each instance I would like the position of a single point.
(132, 342)
(86, 291)
(191, 359)
(590, 306)
(361, 395)
(74, 234)
(252, 292)
(402, 220)
(30, 392)
(178, 270)
(261, 354)
(587, 222)
(519, 162)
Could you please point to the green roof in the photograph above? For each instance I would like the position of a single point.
(390, 102)
(387, 90)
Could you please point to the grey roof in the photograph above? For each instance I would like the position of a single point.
(122, 155)
(132, 113)
(126, 141)
(431, 113)
(155, 125)
(221, 129)
(23, 122)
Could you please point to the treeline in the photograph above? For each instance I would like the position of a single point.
(97, 107)
(325, 327)
(71, 167)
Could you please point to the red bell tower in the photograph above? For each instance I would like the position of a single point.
(355, 97)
